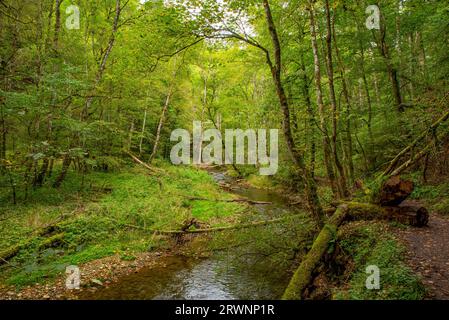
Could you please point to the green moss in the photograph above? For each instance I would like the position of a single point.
(303, 274)
(322, 243)
(9, 253)
(52, 241)
(435, 196)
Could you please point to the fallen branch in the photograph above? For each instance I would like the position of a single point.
(390, 170)
(211, 230)
(414, 159)
(229, 201)
(138, 161)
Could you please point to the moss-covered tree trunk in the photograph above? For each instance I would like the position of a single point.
(297, 156)
(352, 211)
(303, 275)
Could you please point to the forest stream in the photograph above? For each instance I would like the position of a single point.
(212, 278)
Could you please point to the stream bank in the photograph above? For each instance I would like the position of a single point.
(177, 270)
(187, 276)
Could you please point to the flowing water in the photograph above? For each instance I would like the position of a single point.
(181, 277)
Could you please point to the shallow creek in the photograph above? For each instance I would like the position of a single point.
(181, 277)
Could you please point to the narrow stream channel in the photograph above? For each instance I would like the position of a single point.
(181, 277)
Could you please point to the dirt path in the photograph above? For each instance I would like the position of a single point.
(428, 255)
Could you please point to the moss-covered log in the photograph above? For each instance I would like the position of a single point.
(304, 273)
(412, 215)
(351, 211)
(9, 253)
(53, 241)
(48, 231)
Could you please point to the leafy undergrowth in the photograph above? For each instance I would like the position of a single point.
(435, 196)
(95, 216)
(371, 244)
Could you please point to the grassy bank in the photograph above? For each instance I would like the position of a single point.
(93, 215)
(365, 244)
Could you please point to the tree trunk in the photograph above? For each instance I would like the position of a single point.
(161, 123)
(320, 103)
(143, 132)
(311, 115)
(102, 66)
(130, 136)
(392, 72)
(330, 73)
(57, 23)
(303, 275)
(4, 132)
(65, 168)
(348, 143)
(297, 157)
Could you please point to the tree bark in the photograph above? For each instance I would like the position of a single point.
(394, 191)
(65, 168)
(163, 114)
(104, 59)
(392, 72)
(144, 125)
(4, 131)
(348, 143)
(297, 156)
(311, 115)
(57, 23)
(303, 275)
(330, 73)
(320, 103)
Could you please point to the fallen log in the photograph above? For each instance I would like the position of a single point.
(12, 251)
(143, 164)
(230, 201)
(52, 242)
(412, 215)
(351, 211)
(415, 216)
(303, 275)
